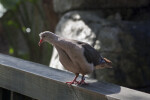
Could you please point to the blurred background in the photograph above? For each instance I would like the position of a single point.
(118, 29)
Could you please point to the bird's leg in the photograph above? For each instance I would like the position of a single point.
(82, 81)
(74, 81)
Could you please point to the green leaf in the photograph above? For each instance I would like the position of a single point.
(24, 29)
(10, 4)
(11, 50)
(33, 1)
(12, 23)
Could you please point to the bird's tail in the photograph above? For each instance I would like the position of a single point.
(107, 64)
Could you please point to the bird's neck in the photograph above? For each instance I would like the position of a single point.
(53, 40)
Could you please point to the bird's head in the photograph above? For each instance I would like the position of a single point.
(46, 36)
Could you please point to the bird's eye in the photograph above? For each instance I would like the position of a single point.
(43, 36)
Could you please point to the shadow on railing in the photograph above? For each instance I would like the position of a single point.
(24, 79)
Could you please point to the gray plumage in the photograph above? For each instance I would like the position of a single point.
(76, 56)
(91, 55)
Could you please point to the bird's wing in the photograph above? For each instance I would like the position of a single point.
(91, 55)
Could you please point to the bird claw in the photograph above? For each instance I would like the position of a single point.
(72, 82)
(82, 82)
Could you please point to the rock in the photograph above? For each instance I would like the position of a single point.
(125, 43)
(62, 6)
(72, 23)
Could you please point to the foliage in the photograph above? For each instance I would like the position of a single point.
(22, 23)
(10, 4)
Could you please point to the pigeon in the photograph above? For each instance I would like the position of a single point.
(75, 56)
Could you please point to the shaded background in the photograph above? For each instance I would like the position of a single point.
(119, 29)
(20, 25)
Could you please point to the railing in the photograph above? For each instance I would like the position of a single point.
(35, 81)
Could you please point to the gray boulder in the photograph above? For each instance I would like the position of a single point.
(125, 43)
(61, 6)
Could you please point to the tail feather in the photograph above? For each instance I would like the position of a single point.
(106, 64)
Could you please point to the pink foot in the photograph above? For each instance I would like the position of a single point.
(82, 82)
(72, 82)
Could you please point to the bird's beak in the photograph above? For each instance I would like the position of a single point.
(41, 40)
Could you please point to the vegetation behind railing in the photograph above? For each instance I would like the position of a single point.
(20, 27)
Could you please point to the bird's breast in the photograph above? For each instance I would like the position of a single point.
(73, 60)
